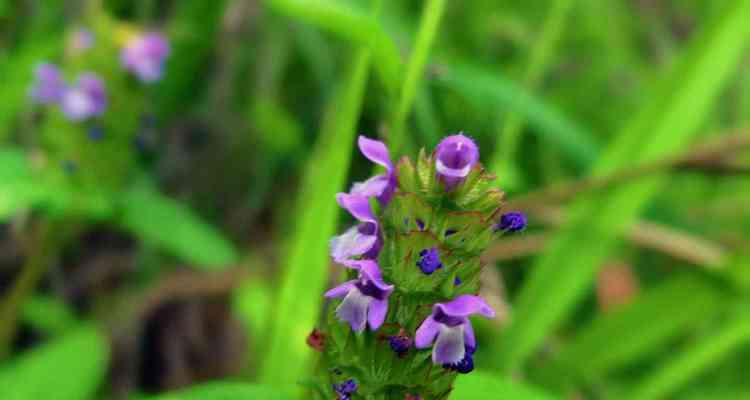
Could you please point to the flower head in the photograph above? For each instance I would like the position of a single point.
(511, 222)
(454, 157)
(144, 56)
(86, 99)
(365, 298)
(379, 186)
(429, 260)
(449, 328)
(359, 240)
(48, 85)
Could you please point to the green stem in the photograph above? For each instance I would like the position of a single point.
(504, 160)
(43, 251)
(428, 28)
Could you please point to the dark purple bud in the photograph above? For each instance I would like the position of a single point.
(345, 389)
(96, 133)
(455, 156)
(457, 281)
(420, 224)
(70, 167)
(449, 232)
(81, 40)
(511, 222)
(429, 261)
(400, 344)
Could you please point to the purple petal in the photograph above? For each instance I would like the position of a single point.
(456, 155)
(353, 309)
(358, 206)
(377, 313)
(471, 341)
(340, 290)
(426, 333)
(350, 244)
(86, 99)
(375, 151)
(370, 271)
(450, 346)
(464, 306)
(373, 187)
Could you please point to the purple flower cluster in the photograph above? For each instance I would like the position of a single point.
(145, 55)
(85, 99)
(365, 300)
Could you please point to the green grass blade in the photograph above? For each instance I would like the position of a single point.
(415, 69)
(172, 226)
(504, 162)
(614, 340)
(349, 24)
(69, 368)
(481, 386)
(483, 87)
(563, 273)
(699, 357)
(306, 266)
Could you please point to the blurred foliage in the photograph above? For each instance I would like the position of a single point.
(228, 166)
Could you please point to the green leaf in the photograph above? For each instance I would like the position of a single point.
(69, 368)
(175, 228)
(563, 273)
(482, 386)
(484, 87)
(698, 357)
(356, 27)
(48, 314)
(225, 391)
(608, 342)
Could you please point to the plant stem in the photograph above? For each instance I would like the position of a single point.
(43, 250)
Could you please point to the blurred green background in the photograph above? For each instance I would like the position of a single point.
(189, 244)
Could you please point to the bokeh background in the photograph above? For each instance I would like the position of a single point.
(181, 236)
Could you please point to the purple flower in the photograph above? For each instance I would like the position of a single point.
(511, 222)
(379, 186)
(359, 240)
(365, 298)
(48, 86)
(144, 56)
(345, 389)
(86, 99)
(429, 261)
(449, 328)
(81, 40)
(454, 157)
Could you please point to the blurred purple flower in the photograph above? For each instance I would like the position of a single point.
(86, 99)
(346, 389)
(144, 56)
(48, 86)
(449, 328)
(81, 40)
(365, 298)
(379, 186)
(359, 240)
(454, 157)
